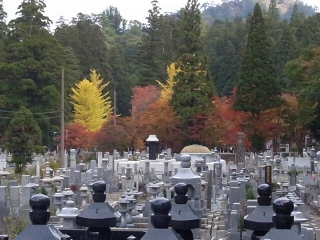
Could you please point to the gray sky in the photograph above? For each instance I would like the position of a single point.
(129, 9)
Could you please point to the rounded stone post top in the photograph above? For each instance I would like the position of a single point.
(39, 215)
(282, 218)
(69, 211)
(234, 176)
(4, 237)
(160, 217)
(181, 190)
(185, 161)
(264, 191)
(152, 138)
(98, 188)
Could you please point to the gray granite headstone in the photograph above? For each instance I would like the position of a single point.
(93, 165)
(12, 183)
(14, 193)
(25, 179)
(73, 158)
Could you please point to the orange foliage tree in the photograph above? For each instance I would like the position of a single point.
(135, 138)
(207, 129)
(161, 120)
(142, 98)
(77, 136)
(111, 137)
(231, 121)
(269, 125)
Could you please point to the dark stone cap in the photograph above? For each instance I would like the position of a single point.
(39, 204)
(181, 190)
(264, 191)
(282, 218)
(161, 208)
(98, 188)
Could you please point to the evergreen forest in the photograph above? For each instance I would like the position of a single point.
(200, 75)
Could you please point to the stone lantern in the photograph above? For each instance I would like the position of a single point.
(131, 206)
(275, 171)
(123, 209)
(57, 180)
(39, 216)
(33, 186)
(187, 176)
(48, 168)
(99, 216)
(285, 188)
(82, 167)
(105, 162)
(199, 164)
(135, 192)
(69, 214)
(153, 143)
(47, 180)
(154, 190)
(84, 193)
(4, 177)
(67, 195)
(57, 200)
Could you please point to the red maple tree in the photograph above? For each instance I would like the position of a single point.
(77, 137)
(142, 98)
(160, 119)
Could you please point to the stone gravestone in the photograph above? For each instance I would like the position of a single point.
(73, 157)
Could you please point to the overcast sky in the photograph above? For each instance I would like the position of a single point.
(129, 9)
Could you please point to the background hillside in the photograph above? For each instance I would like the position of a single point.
(229, 10)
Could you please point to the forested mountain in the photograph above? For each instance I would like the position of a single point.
(215, 51)
(230, 10)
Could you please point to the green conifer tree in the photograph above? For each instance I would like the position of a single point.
(296, 17)
(23, 138)
(31, 68)
(150, 56)
(194, 89)
(258, 89)
(273, 10)
(285, 49)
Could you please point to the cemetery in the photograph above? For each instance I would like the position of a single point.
(153, 194)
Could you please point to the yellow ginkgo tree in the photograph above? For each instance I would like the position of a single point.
(91, 106)
(167, 88)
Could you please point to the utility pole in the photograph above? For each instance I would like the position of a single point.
(114, 107)
(63, 164)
